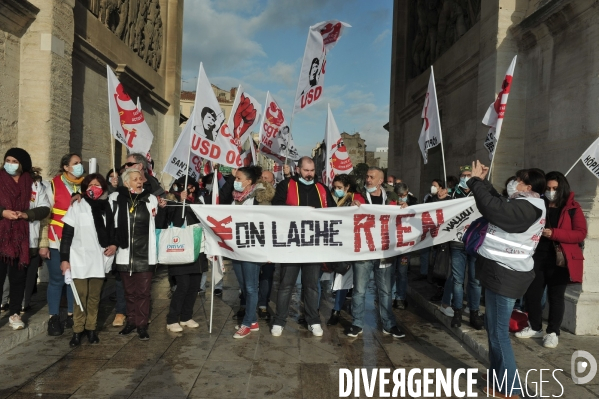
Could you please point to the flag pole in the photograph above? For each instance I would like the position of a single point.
(212, 297)
(570, 170)
(439, 126)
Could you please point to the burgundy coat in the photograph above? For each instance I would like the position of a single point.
(571, 231)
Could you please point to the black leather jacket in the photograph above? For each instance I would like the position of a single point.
(139, 239)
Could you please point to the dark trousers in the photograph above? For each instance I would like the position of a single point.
(267, 273)
(31, 279)
(17, 277)
(556, 279)
(184, 298)
(310, 276)
(138, 287)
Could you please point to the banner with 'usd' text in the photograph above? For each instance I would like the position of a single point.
(283, 234)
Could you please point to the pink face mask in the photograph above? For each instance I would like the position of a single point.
(94, 192)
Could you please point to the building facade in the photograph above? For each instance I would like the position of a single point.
(53, 57)
(551, 115)
(356, 147)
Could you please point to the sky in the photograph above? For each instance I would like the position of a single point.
(260, 45)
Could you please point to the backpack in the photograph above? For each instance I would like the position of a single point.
(475, 235)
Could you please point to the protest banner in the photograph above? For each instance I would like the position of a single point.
(496, 112)
(590, 159)
(322, 37)
(337, 158)
(127, 123)
(282, 234)
(275, 137)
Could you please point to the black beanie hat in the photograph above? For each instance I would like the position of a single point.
(20, 155)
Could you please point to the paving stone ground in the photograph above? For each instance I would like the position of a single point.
(199, 364)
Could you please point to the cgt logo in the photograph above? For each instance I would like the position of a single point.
(579, 367)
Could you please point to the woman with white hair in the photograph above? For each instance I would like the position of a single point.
(136, 256)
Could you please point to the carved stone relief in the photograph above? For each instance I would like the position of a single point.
(136, 22)
(437, 25)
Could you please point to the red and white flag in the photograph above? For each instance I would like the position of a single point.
(246, 113)
(430, 135)
(494, 116)
(337, 158)
(322, 37)
(276, 141)
(127, 123)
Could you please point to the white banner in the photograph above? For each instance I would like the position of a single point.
(275, 137)
(127, 123)
(430, 135)
(494, 116)
(283, 234)
(176, 164)
(337, 158)
(590, 158)
(322, 37)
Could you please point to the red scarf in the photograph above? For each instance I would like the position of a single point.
(14, 234)
(242, 196)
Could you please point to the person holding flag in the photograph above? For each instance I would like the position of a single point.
(301, 190)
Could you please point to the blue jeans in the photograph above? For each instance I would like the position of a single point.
(56, 283)
(424, 259)
(459, 261)
(339, 299)
(248, 274)
(400, 288)
(384, 280)
(448, 291)
(498, 310)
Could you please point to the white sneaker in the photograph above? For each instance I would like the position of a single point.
(189, 323)
(447, 311)
(528, 332)
(276, 331)
(316, 330)
(550, 341)
(175, 327)
(15, 322)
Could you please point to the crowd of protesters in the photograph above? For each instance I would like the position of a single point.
(85, 226)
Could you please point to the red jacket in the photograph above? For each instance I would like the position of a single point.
(569, 233)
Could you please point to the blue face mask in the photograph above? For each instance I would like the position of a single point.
(306, 182)
(463, 181)
(339, 193)
(11, 168)
(77, 170)
(401, 199)
(238, 186)
(371, 189)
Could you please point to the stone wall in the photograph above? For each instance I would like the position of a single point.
(53, 58)
(551, 114)
(356, 147)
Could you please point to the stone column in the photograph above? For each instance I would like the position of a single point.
(171, 71)
(46, 84)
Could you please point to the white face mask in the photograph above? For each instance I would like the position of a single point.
(512, 188)
(550, 195)
(434, 190)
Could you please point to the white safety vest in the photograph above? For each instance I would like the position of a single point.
(514, 250)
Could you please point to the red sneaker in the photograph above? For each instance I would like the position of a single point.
(242, 332)
(254, 327)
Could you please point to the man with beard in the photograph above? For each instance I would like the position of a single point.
(301, 190)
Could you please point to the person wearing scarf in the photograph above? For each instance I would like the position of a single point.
(65, 185)
(135, 210)
(87, 249)
(248, 189)
(15, 199)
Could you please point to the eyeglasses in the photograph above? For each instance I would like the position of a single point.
(130, 164)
